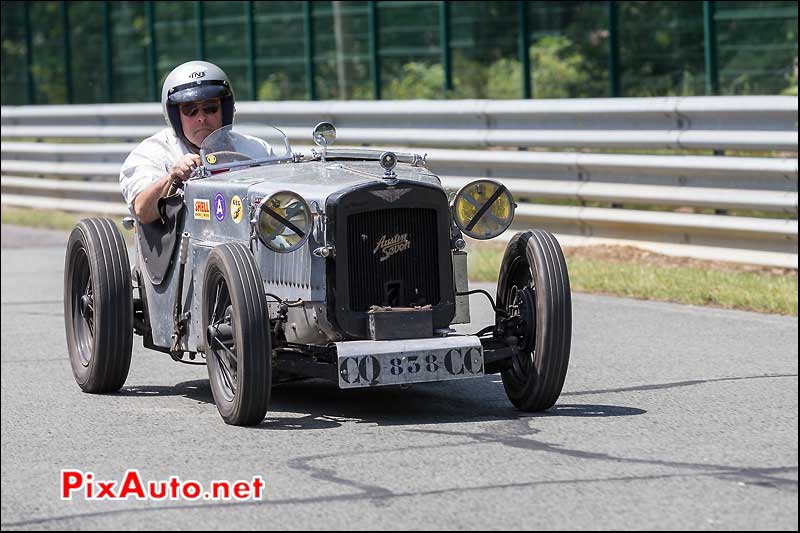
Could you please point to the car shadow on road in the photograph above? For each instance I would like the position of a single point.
(198, 390)
(319, 404)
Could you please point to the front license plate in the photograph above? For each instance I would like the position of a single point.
(374, 363)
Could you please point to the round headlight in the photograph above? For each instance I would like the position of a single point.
(284, 221)
(483, 209)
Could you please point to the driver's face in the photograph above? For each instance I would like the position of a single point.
(199, 119)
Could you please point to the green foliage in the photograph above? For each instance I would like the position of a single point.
(791, 90)
(661, 49)
(416, 80)
(275, 87)
(504, 79)
(558, 68)
(557, 71)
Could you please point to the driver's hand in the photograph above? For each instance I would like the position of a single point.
(182, 170)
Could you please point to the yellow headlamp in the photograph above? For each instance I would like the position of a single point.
(284, 221)
(483, 209)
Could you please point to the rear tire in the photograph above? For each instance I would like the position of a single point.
(534, 274)
(98, 306)
(237, 332)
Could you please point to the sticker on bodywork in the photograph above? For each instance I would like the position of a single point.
(202, 210)
(236, 209)
(219, 207)
(211, 158)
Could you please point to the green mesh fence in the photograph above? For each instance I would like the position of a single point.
(341, 61)
(410, 52)
(129, 43)
(14, 85)
(47, 53)
(662, 48)
(569, 49)
(280, 71)
(88, 78)
(92, 52)
(757, 47)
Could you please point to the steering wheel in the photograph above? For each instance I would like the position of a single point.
(227, 156)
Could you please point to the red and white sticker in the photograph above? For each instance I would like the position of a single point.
(202, 209)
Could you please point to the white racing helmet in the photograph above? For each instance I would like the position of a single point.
(193, 81)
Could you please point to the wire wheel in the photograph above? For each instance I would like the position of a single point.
(82, 306)
(237, 333)
(533, 288)
(219, 336)
(521, 309)
(98, 306)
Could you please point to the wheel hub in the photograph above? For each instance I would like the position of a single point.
(523, 309)
(222, 332)
(87, 306)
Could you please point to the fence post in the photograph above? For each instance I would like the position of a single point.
(26, 6)
(614, 76)
(250, 31)
(710, 48)
(524, 52)
(65, 34)
(152, 61)
(308, 27)
(107, 52)
(444, 38)
(200, 34)
(374, 55)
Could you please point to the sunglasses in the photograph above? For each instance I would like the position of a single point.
(208, 108)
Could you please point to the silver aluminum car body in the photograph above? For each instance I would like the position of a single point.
(360, 255)
(294, 275)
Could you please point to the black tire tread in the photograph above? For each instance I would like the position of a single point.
(113, 323)
(246, 291)
(545, 259)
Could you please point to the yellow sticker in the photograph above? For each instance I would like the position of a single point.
(211, 158)
(202, 209)
(236, 209)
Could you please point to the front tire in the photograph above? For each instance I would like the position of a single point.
(98, 306)
(238, 343)
(534, 285)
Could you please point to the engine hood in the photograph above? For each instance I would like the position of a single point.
(316, 180)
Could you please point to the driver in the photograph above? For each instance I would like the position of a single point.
(196, 99)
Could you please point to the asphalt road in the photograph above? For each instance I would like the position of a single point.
(672, 417)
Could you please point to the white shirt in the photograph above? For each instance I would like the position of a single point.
(152, 159)
(149, 162)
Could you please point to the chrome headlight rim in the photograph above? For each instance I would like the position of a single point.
(265, 210)
(468, 227)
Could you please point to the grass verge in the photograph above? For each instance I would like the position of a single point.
(56, 220)
(45, 219)
(617, 271)
(703, 283)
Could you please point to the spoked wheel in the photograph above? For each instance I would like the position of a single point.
(533, 289)
(98, 306)
(238, 344)
(221, 342)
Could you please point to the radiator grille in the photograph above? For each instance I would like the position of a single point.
(393, 258)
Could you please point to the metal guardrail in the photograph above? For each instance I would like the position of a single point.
(32, 171)
(724, 123)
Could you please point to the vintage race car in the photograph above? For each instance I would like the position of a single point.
(344, 264)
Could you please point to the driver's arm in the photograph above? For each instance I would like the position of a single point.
(145, 204)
